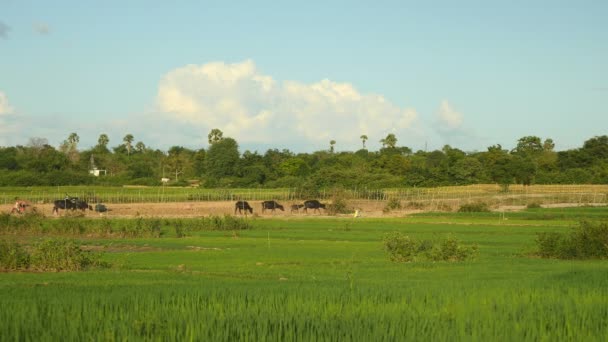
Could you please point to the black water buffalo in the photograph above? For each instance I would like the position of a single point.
(272, 205)
(313, 204)
(71, 204)
(296, 207)
(242, 205)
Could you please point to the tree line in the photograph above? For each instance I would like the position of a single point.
(222, 165)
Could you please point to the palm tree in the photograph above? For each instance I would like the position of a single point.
(128, 139)
(103, 140)
(390, 141)
(363, 139)
(215, 135)
(331, 146)
(73, 140)
(140, 146)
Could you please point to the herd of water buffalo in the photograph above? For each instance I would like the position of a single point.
(243, 206)
(74, 203)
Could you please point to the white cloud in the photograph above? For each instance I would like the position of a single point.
(5, 108)
(449, 118)
(253, 107)
(41, 28)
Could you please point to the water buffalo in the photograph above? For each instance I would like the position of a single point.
(272, 205)
(242, 205)
(296, 207)
(71, 204)
(313, 204)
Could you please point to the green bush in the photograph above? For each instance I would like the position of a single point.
(533, 205)
(392, 204)
(13, 256)
(402, 248)
(587, 241)
(339, 203)
(62, 255)
(477, 207)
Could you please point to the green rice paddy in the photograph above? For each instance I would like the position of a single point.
(318, 279)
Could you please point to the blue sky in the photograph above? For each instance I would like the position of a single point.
(298, 74)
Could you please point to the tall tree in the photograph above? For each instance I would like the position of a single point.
(70, 147)
(215, 135)
(363, 138)
(140, 147)
(103, 140)
(331, 146)
(128, 140)
(390, 141)
(222, 158)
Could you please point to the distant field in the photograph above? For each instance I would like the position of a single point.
(453, 196)
(318, 279)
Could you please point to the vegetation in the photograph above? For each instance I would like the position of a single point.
(118, 228)
(477, 207)
(47, 255)
(587, 241)
(315, 279)
(402, 248)
(222, 165)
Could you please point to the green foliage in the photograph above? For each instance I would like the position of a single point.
(476, 207)
(403, 248)
(392, 204)
(587, 241)
(47, 255)
(13, 256)
(339, 203)
(62, 255)
(533, 205)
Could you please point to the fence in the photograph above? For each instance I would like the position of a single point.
(517, 195)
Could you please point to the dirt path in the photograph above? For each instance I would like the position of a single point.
(198, 209)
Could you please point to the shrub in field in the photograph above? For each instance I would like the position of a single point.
(392, 204)
(339, 203)
(13, 256)
(587, 241)
(450, 249)
(402, 248)
(62, 255)
(31, 221)
(477, 207)
(415, 205)
(533, 205)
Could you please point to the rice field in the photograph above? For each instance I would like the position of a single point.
(318, 279)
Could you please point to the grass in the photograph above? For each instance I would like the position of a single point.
(318, 279)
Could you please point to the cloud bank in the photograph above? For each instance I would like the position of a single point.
(253, 107)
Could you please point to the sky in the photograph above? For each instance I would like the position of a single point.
(297, 74)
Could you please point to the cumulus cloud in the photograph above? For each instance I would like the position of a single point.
(41, 28)
(253, 107)
(4, 30)
(5, 107)
(449, 118)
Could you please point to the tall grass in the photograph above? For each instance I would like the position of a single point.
(37, 224)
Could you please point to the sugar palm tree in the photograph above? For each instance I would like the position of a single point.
(215, 135)
(390, 141)
(128, 139)
(363, 139)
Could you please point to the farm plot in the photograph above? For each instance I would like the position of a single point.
(318, 279)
